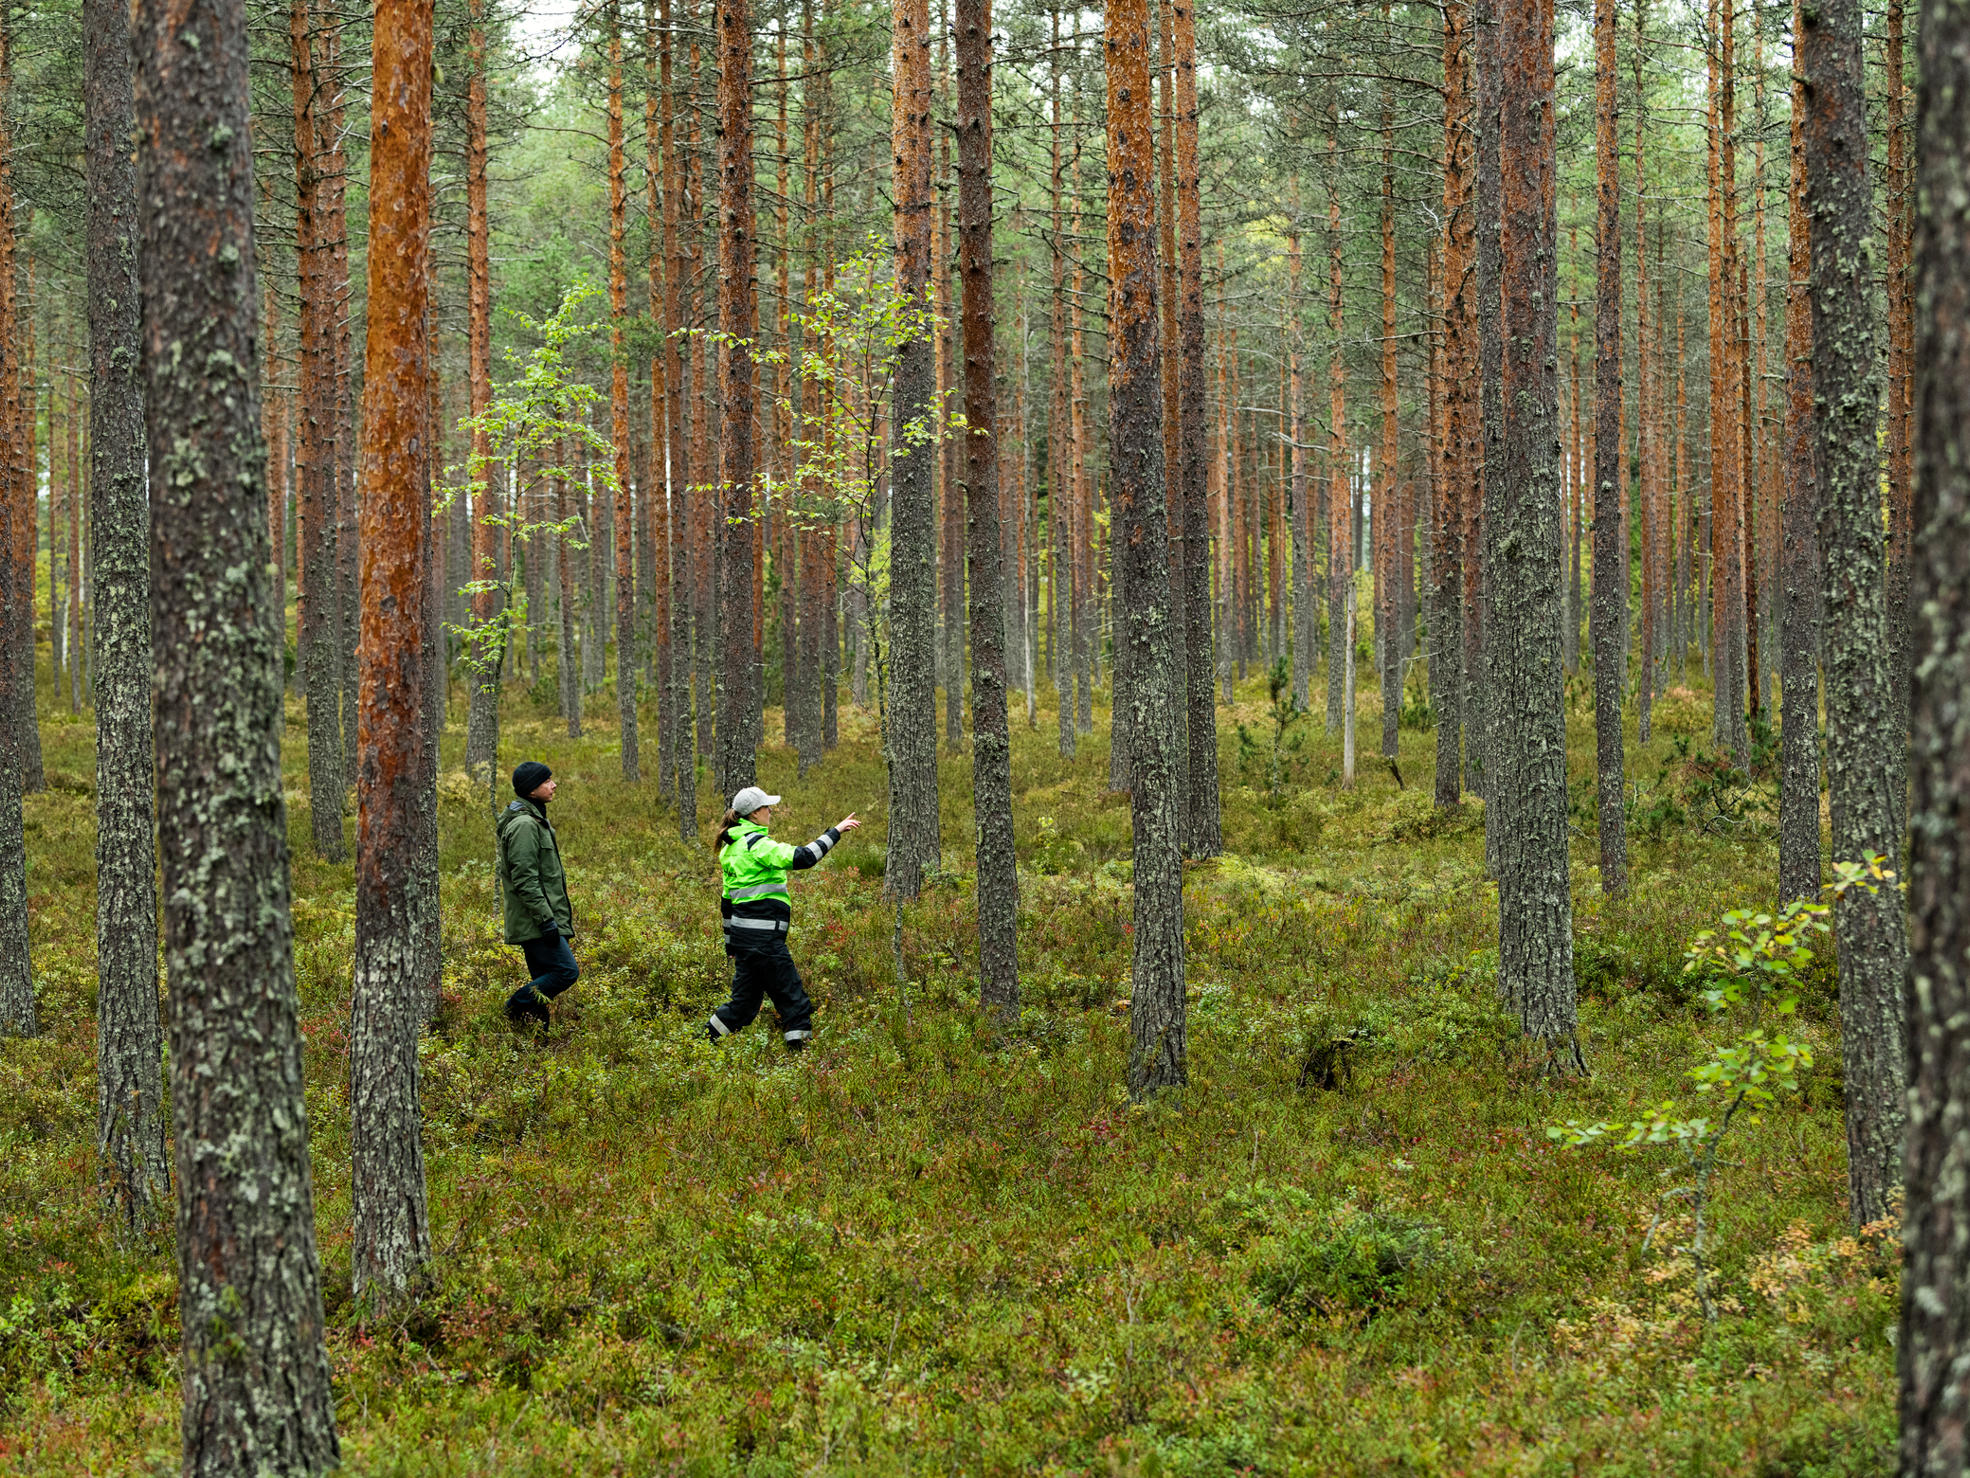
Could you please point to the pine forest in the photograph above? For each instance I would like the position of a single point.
(755, 737)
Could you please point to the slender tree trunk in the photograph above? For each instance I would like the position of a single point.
(485, 649)
(738, 321)
(1608, 619)
(1645, 424)
(1157, 1031)
(17, 1014)
(1060, 452)
(392, 1227)
(657, 486)
(1456, 486)
(1870, 929)
(1168, 297)
(1488, 432)
(21, 474)
(683, 775)
(991, 738)
(625, 529)
(1527, 781)
(1387, 623)
(911, 722)
(1799, 596)
(1203, 831)
(567, 657)
(1935, 1323)
(1340, 540)
(129, 1037)
(1306, 623)
(254, 1372)
(320, 599)
(1900, 429)
(951, 500)
(333, 214)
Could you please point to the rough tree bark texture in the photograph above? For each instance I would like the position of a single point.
(1389, 523)
(1899, 431)
(1157, 1041)
(1487, 440)
(1456, 483)
(129, 1035)
(1799, 568)
(682, 780)
(321, 601)
(738, 319)
(910, 726)
(1935, 1325)
(1340, 540)
(991, 738)
(656, 490)
(18, 474)
(1527, 781)
(626, 617)
(486, 650)
(1608, 616)
(1870, 931)
(17, 1015)
(1203, 824)
(394, 828)
(1306, 614)
(254, 1371)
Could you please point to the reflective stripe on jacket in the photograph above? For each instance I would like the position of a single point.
(754, 869)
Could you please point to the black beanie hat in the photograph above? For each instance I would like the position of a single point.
(528, 777)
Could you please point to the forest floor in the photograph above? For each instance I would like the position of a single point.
(928, 1248)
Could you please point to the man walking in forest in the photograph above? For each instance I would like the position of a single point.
(534, 889)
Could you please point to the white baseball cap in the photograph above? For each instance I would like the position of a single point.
(751, 799)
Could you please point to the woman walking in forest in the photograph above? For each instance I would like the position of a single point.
(757, 914)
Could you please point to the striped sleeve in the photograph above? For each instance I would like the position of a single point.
(811, 854)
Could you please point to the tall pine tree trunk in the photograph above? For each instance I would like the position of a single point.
(129, 1035)
(1935, 1323)
(1456, 486)
(1387, 623)
(910, 725)
(396, 820)
(1526, 784)
(1861, 734)
(1799, 567)
(1488, 430)
(485, 648)
(1609, 615)
(625, 527)
(254, 1372)
(320, 597)
(991, 738)
(1203, 827)
(738, 321)
(1157, 1030)
(17, 1014)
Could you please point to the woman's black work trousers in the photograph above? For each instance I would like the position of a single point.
(764, 969)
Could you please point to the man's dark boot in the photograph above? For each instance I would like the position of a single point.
(526, 1005)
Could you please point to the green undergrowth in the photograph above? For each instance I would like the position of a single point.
(1347, 1246)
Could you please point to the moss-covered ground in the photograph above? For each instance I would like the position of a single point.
(929, 1248)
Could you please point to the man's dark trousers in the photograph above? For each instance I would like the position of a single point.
(552, 964)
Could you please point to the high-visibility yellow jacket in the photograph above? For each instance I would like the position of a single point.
(754, 868)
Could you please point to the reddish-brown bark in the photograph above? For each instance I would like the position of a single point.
(396, 820)
(625, 521)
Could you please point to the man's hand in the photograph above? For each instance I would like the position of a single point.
(847, 823)
(550, 930)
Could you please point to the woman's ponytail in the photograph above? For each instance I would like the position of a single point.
(731, 819)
